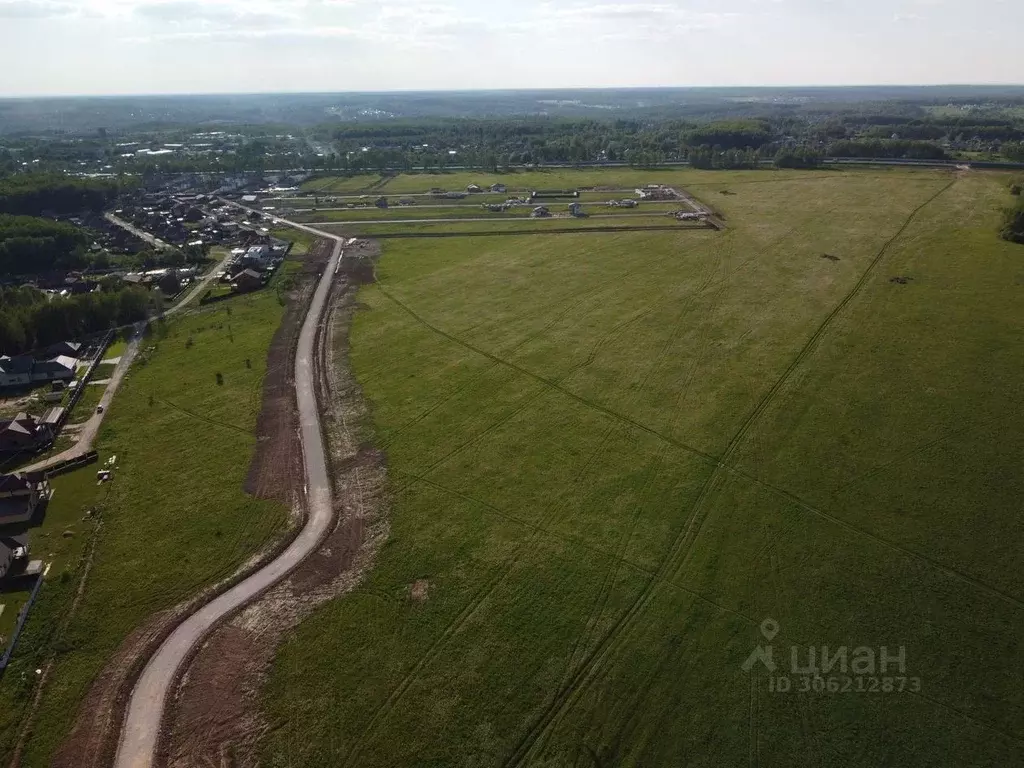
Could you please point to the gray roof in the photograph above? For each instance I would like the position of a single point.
(62, 363)
(14, 365)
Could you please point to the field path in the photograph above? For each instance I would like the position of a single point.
(141, 729)
(588, 671)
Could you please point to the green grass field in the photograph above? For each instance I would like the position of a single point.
(175, 518)
(340, 184)
(511, 226)
(414, 213)
(557, 178)
(613, 457)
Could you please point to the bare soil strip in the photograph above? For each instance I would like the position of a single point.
(275, 472)
(225, 729)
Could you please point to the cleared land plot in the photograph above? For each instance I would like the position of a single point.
(176, 518)
(341, 184)
(507, 226)
(565, 178)
(419, 212)
(572, 579)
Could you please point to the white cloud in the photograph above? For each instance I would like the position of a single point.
(33, 9)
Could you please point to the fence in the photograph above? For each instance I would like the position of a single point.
(20, 626)
(80, 389)
(71, 464)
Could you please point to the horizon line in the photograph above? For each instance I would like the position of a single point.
(466, 91)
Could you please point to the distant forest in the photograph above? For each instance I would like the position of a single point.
(707, 128)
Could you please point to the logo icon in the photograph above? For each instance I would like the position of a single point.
(763, 654)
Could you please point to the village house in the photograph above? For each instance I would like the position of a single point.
(28, 433)
(61, 368)
(23, 370)
(499, 188)
(473, 188)
(248, 281)
(20, 496)
(169, 283)
(65, 349)
(16, 371)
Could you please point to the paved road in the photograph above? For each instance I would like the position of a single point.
(154, 241)
(201, 286)
(146, 706)
(88, 433)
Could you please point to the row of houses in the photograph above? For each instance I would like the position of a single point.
(26, 370)
(170, 281)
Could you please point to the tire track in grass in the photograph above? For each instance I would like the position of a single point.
(613, 571)
(467, 612)
(808, 348)
(603, 285)
(709, 282)
(684, 390)
(473, 380)
(683, 544)
(911, 453)
(736, 471)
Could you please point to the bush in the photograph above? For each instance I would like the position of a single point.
(1013, 225)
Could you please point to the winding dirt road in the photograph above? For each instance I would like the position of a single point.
(141, 728)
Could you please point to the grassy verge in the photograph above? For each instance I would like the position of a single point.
(553, 410)
(175, 518)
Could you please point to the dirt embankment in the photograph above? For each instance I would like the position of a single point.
(275, 472)
(215, 717)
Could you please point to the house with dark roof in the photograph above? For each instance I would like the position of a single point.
(61, 368)
(24, 433)
(16, 371)
(64, 349)
(247, 281)
(20, 496)
(22, 371)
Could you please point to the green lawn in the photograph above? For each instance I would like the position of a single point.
(86, 405)
(613, 457)
(301, 241)
(116, 348)
(103, 371)
(176, 517)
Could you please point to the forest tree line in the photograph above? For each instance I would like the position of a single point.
(31, 319)
(31, 245)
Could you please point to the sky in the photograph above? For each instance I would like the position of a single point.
(71, 47)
